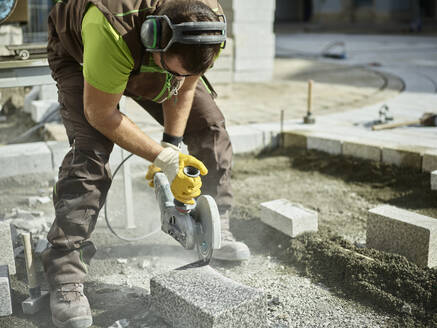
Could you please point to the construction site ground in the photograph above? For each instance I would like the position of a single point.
(305, 287)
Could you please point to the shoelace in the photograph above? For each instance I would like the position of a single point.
(70, 293)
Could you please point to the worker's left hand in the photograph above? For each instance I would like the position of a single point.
(151, 173)
(172, 162)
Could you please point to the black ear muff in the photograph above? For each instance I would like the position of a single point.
(151, 33)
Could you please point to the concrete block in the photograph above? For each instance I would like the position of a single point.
(429, 163)
(58, 151)
(326, 143)
(295, 139)
(203, 298)
(5, 292)
(48, 92)
(260, 27)
(7, 248)
(220, 76)
(40, 108)
(246, 139)
(395, 230)
(10, 34)
(253, 76)
(31, 96)
(25, 158)
(402, 156)
(363, 150)
(34, 305)
(291, 219)
(434, 180)
(254, 64)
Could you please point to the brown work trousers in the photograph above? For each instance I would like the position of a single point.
(85, 177)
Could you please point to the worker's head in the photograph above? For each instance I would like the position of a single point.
(192, 59)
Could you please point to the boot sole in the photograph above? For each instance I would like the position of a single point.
(79, 322)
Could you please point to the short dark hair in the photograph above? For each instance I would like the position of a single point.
(196, 58)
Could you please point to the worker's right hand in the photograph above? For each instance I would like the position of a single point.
(172, 162)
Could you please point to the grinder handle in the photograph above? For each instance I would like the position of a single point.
(192, 172)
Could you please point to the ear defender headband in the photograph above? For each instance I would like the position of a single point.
(151, 32)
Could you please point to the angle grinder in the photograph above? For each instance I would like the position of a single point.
(193, 226)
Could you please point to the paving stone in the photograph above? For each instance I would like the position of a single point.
(40, 109)
(7, 249)
(395, 230)
(58, 149)
(295, 139)
(291, 219)
(27, 158)
(326, 143)
(363, 150)
(31, 96)
(48, 92)
(429, 161)
(402, 156)
(246, 139)
(5, 292)
(203, 298)
(434, 180)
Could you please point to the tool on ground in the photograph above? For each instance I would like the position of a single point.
(328, 52)
(308, 118)
(193, 226)
(37, 299)
(384, 115)
(427, 119)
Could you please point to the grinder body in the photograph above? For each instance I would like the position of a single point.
(193, 226)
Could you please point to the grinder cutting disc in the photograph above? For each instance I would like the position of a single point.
(208, 236)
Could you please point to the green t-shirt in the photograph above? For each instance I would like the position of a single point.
(107, 61)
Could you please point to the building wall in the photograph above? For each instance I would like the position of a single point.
(360, 11)
(289, 11)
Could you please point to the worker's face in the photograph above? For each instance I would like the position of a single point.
(171, 64)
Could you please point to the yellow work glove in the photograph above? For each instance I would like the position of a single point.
(151, 173)
(172, 162)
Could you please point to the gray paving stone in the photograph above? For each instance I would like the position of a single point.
(58, 149)
(7, 249)
(395, 230)
(324, 142)
(5, 292)
(40, 108)
(429, 161)
(402, 156)
(286, 217)
(246, 139)
(25, 158)
(203, 298)
(434, 180)
(295, 139)
(362, 149)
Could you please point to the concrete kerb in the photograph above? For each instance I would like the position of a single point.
(25, 158)
(417, 157)
(40, 157)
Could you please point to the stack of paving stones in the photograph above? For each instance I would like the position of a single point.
(7, 266)
(203, 298)
(412, 235)
(250, 24)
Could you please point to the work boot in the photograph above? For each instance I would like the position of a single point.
(230, 250)
(70, 307)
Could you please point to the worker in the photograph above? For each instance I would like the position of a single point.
(98, 51)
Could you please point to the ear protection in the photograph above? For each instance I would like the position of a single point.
(151, 33)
